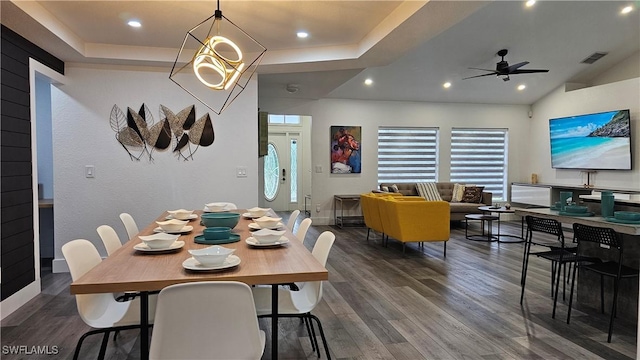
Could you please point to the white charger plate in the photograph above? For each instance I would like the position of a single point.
(144, 248)
(193, 264)
(253, 242)
(185, 229)
(255, 226)
(191, 217)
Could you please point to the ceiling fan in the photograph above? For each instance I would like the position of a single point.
(503, 69)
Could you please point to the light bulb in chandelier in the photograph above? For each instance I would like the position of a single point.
(214, 69)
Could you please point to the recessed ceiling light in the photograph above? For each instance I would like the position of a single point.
(368, 82)
(626, 9)
(446, 85)
(530, 3)
(522, 87)
(134, 23)
(302, 34)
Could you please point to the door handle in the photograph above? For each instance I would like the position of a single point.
(284, 175)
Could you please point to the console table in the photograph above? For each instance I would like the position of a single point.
(544, 195)
(342, 220)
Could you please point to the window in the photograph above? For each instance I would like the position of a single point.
(479, 157)
(271, 173)
(284, 119)
(293, 177)
(407, 154)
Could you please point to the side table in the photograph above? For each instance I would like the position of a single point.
(342, 220)
(499, 211)
(482, 218)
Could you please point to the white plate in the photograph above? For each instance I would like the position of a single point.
(255, 226)
(143, 247)
(191, 217)
(192, 264)
(185, 229)
(249, 216)
(253, 242)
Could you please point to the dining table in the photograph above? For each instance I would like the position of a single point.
(146, 272)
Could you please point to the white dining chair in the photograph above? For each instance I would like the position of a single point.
(301, 232)
(129, 225)
(292, 219)
(110, 238)
(220, 323)
(100, 311)
(299, 303)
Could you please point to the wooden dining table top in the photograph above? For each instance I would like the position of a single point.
(130, 270)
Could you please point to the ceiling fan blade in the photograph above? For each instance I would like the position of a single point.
(528, 71)
(471, 77)
(515, 67)
(493, 71)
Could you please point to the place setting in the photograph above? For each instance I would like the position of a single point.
(624, 217)
(267, 238)
(181, 214)
(266, 222)
(216, 207)
(576, 210)
(173, 226)
(256, 212)
(211, 258)
(160, 242)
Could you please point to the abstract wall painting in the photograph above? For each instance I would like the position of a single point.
(345, 149)
(140, 136)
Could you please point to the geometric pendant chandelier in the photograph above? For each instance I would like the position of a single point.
(222, 58)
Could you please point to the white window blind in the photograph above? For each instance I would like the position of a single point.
(407, 154)
(479, 157)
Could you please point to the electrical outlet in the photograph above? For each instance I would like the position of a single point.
(241, 171)
(318, 208)
(318, 169)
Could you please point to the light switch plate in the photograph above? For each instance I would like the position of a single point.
(89, 171)
(318, 169)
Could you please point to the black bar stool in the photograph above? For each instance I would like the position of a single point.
(557, 252)
(610, 243)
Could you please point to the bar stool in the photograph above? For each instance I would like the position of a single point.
(557, 252)
(609, 243)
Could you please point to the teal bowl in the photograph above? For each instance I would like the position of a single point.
(627, 215)
(217, 233)
(222, 219)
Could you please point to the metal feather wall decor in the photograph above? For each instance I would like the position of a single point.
(140, 136)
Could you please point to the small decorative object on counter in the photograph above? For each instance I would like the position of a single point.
(507, 206)
(607, 202)
(534, 178)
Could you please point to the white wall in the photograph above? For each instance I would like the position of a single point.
(372, 114)
(618, 95)
(82, 136)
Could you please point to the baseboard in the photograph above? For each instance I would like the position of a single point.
(17, 300)
(59, 266)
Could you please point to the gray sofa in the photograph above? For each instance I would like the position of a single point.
(458, 209)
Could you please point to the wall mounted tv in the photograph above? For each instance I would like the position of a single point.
(599, 141)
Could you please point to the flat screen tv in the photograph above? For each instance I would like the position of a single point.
(599, 141)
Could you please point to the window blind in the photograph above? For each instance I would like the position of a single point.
(407, 154)
(479, 157)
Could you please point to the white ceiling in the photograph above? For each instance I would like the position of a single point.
(408, 48)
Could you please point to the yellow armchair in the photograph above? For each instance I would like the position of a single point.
(416, 221)
(370, 205)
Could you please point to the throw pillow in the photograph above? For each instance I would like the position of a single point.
(394, 188)
(472, 194)
(458, 191)
(384, 188)
(429, 191)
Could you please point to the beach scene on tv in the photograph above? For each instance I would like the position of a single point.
(594, 141)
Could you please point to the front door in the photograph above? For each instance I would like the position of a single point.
(281, 190)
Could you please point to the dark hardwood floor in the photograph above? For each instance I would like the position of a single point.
(381, 304)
